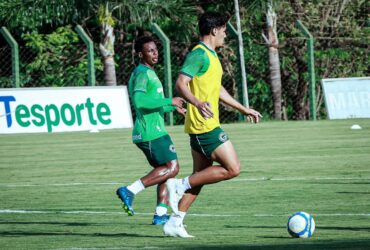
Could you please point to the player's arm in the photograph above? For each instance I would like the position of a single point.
(204, 108)
(227, 99)
(143, 101)
(193, 64)
(181, 111)
(169, 108)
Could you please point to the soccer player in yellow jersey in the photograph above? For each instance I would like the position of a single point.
(199, 82)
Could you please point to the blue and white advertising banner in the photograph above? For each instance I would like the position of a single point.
(35, 110)
(347, 97)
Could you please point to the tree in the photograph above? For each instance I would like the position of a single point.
(23, 16)
(138, 14)
(38, 15)
(339, 30)
(274, 61)
(106, 44)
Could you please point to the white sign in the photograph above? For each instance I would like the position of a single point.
(34, 110)
(347, 97)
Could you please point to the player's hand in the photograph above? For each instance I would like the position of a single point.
(205, 110)
(181, 111)
(178, 102)
(253, 116)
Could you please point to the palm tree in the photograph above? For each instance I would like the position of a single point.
(106, 46)
(274, 61)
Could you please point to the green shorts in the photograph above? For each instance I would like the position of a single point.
(158, 151)
(207, 143)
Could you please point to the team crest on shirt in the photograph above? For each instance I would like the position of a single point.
(222, 137)
(159, 90)
(172, 148)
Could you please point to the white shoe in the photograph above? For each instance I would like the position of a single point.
(174, 194)
(176, 230)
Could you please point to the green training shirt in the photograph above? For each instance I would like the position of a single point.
(197, 62)
(146, 93)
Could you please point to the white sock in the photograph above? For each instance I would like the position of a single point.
(185, 183)
(182, 215)
(175, 219)
(161, 210)
(136, 187)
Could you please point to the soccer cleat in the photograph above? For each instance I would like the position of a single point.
(160, 219)
(175, 230)
(174, 194)
(127, 197)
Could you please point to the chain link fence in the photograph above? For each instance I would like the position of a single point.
(333, 58)
(6, 67)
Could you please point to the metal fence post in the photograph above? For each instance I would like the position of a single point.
(15, 55)
(167, 63)
(243, 94)
(311, 68)
(90, 54)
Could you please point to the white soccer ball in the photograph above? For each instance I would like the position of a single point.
(301, 225)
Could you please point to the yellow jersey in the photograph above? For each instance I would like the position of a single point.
(205, 87)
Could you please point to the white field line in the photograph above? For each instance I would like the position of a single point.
(302, 179)
(19, 211)
(10, 185)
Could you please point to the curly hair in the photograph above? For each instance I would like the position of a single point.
(139, 43)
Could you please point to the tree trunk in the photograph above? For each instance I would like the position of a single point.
(274, 62)
(107, 50)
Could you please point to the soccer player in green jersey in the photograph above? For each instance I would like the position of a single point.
(149, 133)
(199, 82)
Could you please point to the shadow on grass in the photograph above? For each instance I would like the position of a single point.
(340, 183)
(82, 224)
(305, 244)
(356, 229)
(117, 235)
(345, 228)
(230, 226)
(353, 192)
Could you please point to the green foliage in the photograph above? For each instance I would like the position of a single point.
(105, 15)
(6, 82)
(340, 49)
(341, 41)
(59, 59)
(31, 15)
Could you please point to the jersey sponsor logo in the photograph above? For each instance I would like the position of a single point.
(172, 148)
(222, 137)
(159, 90)
(137, 137)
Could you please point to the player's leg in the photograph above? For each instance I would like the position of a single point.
(161, 173)
(213, 145)
(158, 175)
(162, 156)
(160, 216)
(229, 167)
(200, 162)
(174, 227)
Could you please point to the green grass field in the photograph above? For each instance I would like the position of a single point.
(57, 191)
